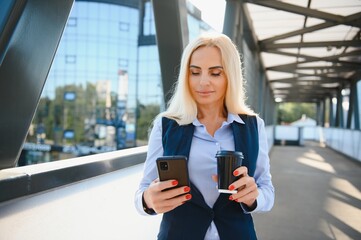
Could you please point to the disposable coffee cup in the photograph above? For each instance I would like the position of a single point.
(227, 162)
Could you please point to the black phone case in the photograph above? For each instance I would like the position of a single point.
(177, 169)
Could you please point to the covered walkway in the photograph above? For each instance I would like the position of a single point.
(317, 189)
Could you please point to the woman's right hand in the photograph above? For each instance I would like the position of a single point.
(164, 201)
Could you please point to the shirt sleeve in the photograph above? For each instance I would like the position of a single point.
(262, 176)
(155, 150)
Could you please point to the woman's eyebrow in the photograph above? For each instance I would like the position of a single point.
(194, 66)
(214, 67)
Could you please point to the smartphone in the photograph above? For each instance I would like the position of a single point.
(173, 167)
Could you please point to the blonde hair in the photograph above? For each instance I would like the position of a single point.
(182, 106)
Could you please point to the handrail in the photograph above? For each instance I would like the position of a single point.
(25, 181)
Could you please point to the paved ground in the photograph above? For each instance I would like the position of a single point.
(317, 195)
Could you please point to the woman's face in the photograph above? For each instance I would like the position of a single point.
(207, 79)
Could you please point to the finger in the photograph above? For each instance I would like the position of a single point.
(215, 178)
(241, 171)
(249, 193)
(172, 203)
(243, 184)
(175, 192)
(163, 185)
(239, 184)
(248, 198)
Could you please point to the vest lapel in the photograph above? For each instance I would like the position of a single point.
(177, 139)
(240, 141)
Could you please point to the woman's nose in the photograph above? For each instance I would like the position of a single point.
(204, 79)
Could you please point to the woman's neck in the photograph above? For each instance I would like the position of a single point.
(211, 112)
(212, 118)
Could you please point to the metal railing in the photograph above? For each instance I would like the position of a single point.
(32, 179)
(345, 141)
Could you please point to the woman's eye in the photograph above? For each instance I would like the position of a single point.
(216, 74)
(194, 73)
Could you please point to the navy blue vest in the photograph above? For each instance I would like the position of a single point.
(191, 220)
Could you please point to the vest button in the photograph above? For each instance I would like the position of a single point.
(212, 214)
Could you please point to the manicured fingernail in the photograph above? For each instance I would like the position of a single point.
(235, 173)
(188, 196)
(175, 182)
(231, 187)
(187, 189)
(230, 198)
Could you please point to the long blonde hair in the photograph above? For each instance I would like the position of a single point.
(182, 106)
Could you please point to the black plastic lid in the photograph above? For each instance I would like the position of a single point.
(224, 153)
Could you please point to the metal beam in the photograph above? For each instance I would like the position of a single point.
(350, 43)
(318, 78)
(297, 32)
(26, 62)
(331, 69)
(348, 19)
(231, 24)
(248, 31)
(171, 26)
(10, 13)
(308, 58)
(300, 10)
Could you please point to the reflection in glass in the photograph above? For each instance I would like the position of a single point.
(103, 88)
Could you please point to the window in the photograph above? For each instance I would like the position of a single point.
(71, 59)
(124, 27)
(72, 22)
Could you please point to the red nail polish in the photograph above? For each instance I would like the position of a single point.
(187, 189)
(188, 196)
(231, 187)
(175, 183)
(235, 173)
(230, 198)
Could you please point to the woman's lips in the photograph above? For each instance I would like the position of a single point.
(204, 93)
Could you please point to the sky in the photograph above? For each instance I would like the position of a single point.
(212, 12)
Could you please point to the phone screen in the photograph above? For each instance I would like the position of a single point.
(173, 167)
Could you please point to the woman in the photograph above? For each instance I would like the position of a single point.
(207, 113)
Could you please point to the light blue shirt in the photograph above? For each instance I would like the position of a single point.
(202, 164)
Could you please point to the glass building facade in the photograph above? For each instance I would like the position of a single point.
(104, 85)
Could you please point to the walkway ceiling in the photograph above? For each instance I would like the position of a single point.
(309, 48)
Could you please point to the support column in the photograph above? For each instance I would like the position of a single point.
(331, 117)
(318, 113)
(231, 25)
(264, 103)
(171, 26)
(323, 116)
(339, 110)
(353, 107)
(356, 107)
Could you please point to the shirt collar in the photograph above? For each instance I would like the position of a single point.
(230, 118)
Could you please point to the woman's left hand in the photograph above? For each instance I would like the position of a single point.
(247, 191)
